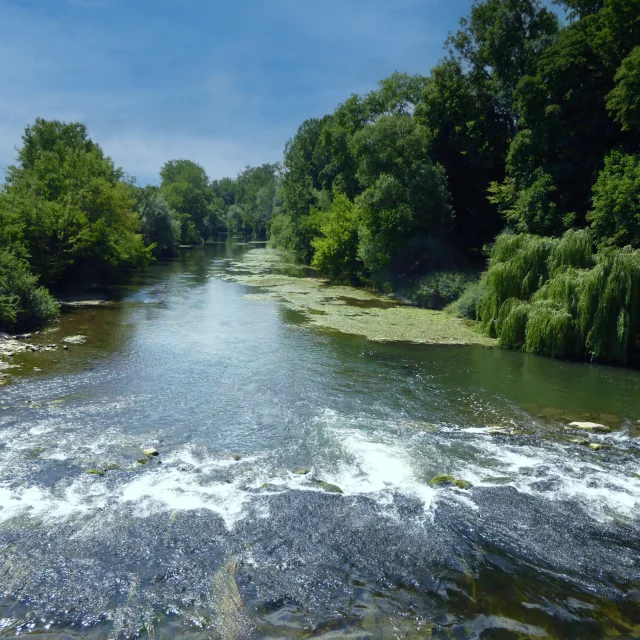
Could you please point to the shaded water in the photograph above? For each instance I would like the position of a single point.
(221, 536)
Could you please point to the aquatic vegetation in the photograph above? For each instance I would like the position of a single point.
(557, 297)
(351, 310)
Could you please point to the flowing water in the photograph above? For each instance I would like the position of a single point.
(225, 535)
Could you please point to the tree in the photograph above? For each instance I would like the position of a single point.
(336, 249)
(405, 204)
(160, 224)
(67, 208)
(185, 187)
(624, 101)
(615, 217)
(501, 42)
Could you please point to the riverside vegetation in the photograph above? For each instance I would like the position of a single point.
(522, 146)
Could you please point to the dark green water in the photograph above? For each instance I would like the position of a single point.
(220, 537)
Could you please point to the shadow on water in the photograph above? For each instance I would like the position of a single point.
(292, 496)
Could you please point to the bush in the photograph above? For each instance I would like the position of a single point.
(23, 303)
(466, 306)
(440, 289)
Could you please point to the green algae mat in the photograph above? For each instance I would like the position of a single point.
(348, 309)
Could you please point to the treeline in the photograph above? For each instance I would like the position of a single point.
(69, 217)
(189, 208)
(528, 131)
(521, 146)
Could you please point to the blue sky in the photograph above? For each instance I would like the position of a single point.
(222, 83)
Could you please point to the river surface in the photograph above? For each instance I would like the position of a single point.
(228, 533)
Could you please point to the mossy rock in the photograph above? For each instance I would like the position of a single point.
(581, 441)
(596, 446)
(447, 480)
(95, 472)
(327, 486)
(301, 471)
(142, 460)
(268, 486)
(594, 427)
(112, 466)
(34, 454)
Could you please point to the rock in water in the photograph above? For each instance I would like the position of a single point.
(444, 479)
(150, 451)
(231, 619)
(327, 486)
(590, 426)
(95, 472)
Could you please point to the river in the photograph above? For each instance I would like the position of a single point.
(237, 528)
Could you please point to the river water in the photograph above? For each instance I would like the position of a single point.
(229, 533)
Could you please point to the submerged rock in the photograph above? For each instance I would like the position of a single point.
(590, 426)
(446, 480)
(236, 456)
(95, 472)
(498, 480)
(111, 466)
(79, 339)
(302, 471)
(142, 460)
(582, 441)
(597, 445)
(327, 486)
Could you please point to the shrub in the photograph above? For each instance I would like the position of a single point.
(466, 306)
(23, 303)
(440, 289)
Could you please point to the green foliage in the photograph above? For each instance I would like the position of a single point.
(405, 204)
(624, 101)
(160, 224)
(528, 209)
(336, 249)
(440, 288)
(466, 306)
(615, 217)
(501, 41)
(185, 188)
(570, 108)
(556, 297)
(67, 208)
(23, 303)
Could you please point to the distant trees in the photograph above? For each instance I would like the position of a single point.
(248, 202)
